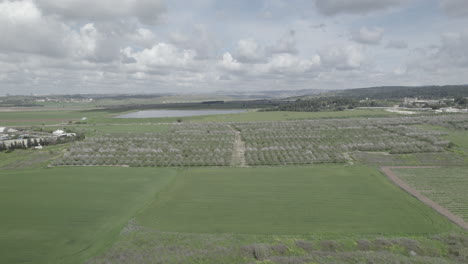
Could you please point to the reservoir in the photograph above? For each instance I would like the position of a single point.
(179, 113)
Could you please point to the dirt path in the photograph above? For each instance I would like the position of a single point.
(238, 154)
(348, 158)
(440, 209)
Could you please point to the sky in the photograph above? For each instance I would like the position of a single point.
(174, 46)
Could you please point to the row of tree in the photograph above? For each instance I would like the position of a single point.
(326, 104)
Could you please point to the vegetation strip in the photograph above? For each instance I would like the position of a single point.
(440, 209)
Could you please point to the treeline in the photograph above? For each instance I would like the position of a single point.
(25, 144)
(34, 142)
(400, 92)
(18, 102)
(327, 104)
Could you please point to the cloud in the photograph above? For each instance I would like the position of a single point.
(334, 7)
(455, 8)
(289, 63)
(146, 11)
(161, 56)
(370, 36)
(23, 28)
(286, 44)
(282, 64)
(143, 37)
(199, 38)
(249, 51)
(347, 57)
(451, 54)
(229, 63)
(397, 44)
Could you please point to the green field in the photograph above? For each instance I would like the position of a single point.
(289, 200)
(66, 215)
(50, 117)
(212, 214)
(259, 116)
(96, 129)
(446, 186)
(103, 116)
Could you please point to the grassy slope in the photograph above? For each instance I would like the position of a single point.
(446, 186)
(290, 200)
(65, 215)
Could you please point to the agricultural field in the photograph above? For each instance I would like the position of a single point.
(51, 117)
(289, 200)
(287, 188)
(445, 185)
(185, 145)
(262, 143)
(68, 215)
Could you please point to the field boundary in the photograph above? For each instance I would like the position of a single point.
(387, 170)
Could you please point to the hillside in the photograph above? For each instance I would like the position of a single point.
(398, 92)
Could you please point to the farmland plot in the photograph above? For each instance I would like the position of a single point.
(326, 140)
(266, 143)
(445, 186)
(185, 145)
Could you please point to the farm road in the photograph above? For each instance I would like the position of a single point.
(440, 209)
(238, 154)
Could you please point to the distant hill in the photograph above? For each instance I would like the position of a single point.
(398, 92)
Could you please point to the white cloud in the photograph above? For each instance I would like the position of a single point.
(229, 63)
(334, 7)
(449, 60)
(161, 55)
(146, 11)
(397, 44)
(370, 36)
(143, 37)
(103, 45)
(453, 52)
(198, 37)
(248, 50)
(286, 44)
(288, 63)
(342, 57)
(456, 8)
(23, 28)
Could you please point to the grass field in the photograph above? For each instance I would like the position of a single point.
(254, 116)
(289, 200)
(66, 215)
(102, 116)
(458, 137)
(209, 214)
(445, 186)
(96, 129)
(39, 117)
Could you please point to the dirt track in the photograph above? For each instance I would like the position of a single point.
(440, 209)
(238, 155)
